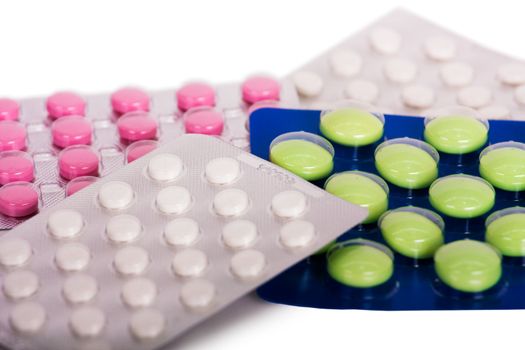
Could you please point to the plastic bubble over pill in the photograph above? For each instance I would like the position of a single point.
(289, 204)
(512, 73)
(231, 202)
(140, 148)
(346, 63)
(204, 120)
(297, 234)
(27, 317)
(475, 96)
(194, 95)
(123, 228)
(260, 88)
(418, 96)
(65, 223)
(440, 48)
(181, 232)
(9, 109)
(78, 160)
(115, 195)
(147, 324)
(519, 94)
(385, 41)
(14, 252)
(87, 321)
(20, 284)
(131, 260)
(13, 136)
(129, 99)
(308, 84)
(16, 166)
(173, 200)
(80, 288)
(165, 167)
(222, 171)
(400, 70)
(362, 90)
(197, 294)
(189, 263)
(72, 257)
(18, 199)
(457, 74)
(138, 125)
(139, 292)
(73, 130)
(62, 104)
(248, 264)
(239, 234)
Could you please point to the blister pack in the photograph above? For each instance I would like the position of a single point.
(406, 65)
(148, 251)
(446, 218)
(59, 144)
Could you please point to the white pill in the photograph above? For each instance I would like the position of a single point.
(308, 84)
(289, 204)
(173, 200)
(223, 171)
(418, 96)
(457, 74)
(147, 324)
(512, 73)
(400, 70)
(297, 234)
(72, 257)
(123, 228)
(231, 202)
(14, 252)
(494, 112)
(239, 234)
(197, 294)
(519, 94)
(474, 96)
(80, 288)
(27, 317)
(139, 292)
(20, 284)
(131, 260)
(165, 167)
(248, 264)
(385, 41)
(346, 63)
(181, 232)
(189, 263)
(361, 90)
(440, 48)
(65, 223)
(87, 321)
(115, 195)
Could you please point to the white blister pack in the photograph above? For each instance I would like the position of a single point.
(405, 65)
(152, 249)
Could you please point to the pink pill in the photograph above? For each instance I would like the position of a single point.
(76, 161)
(129, 100)
(63, 104)
(16, 166)
(203, 120)
(18, 199)
(73, 130)
(195, 95)
(140, 148)
(12, 136)
(9, 109)
(79, 183)
(260, 88)
(135, 126)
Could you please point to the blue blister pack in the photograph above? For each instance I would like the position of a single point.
(414, 283)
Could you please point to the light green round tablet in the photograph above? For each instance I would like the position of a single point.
(503, 165)
(505, 230)
(360, 263)
(306, 155)
(407, 163)
(413, 232)
(364, 189)
(468, 265)
(351, 127)
(462, 196)
(456, 134)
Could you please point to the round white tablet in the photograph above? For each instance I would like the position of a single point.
(248, 264)
(418, 96)
(361, 90)
(440, 48)
(65, 223)
(400, 70)
(308, 84)
(457, 74)
(231, 202)
(165, 167)
(512, 73)
(346, 63)
(115, 195)
(197, 294)
(20, 284)
(223, 171)
(139, 292)
(80, 288)
(87, 321)
(239, 234)
(475, 96)
(147, 324)
(27, 317)
(72, 257)
(297, 234)
(385, 41)
(14, 251)
(189, 263)
(289, 204)
(519, 94)
(131, 260)
(123, 228)
(173, 200)
(181, 232)
(495, 112)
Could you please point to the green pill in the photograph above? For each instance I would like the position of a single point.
(468, 265)
(407, 163)
(505, 230)
(413, 232)
(456, 134)
(503, 165)
(306, 155)
(360, 263)
(352, 126)
(462, 196)
(364, 189)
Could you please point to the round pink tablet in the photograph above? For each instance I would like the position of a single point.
(73, 130)
(129, 100)
(140, 148)
(76, 161)
(9, 109)
(18, 199)
(79, 183)
(203, 120)
(135, 126)
(16, 166)
(63, 104)
(260, 88)
(195, 95)
(12, 136)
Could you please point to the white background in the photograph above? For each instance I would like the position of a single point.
(98, 46)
